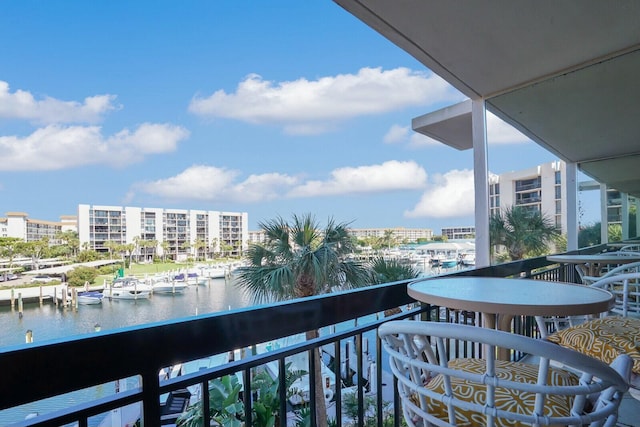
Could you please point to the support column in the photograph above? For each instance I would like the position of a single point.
(481, 181)
(571, 186)
(604, 215)
(624, 215)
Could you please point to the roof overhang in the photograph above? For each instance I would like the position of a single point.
(564, 76)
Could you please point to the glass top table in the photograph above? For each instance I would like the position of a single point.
(493, 296)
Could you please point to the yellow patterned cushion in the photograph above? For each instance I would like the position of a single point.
(604, 339)
(506, 399)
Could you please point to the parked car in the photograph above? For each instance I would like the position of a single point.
(42, 278)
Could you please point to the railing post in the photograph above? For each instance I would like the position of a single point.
(150, 399)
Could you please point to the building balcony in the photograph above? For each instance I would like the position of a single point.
(345, 319)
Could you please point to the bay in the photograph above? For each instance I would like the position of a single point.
(49, 321)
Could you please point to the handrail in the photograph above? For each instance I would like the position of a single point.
(144, 350)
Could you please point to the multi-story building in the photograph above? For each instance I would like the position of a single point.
(541, 188)
(176, 233)
(399, 233)
(454, 233)
(18, 224)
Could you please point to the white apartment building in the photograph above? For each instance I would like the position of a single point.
(456, 233)
(179, 233)
(19, 225)
(540, 188)
(400, 233)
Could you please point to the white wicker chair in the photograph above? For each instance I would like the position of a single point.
(438, 392)
(626, 288)
(633, 267)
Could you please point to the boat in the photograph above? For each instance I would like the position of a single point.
(128, 288)
(90, 297)
(194, 279)
(168, 287)
(448, 262)
(215, 272)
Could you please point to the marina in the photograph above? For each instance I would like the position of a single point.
(41, 321)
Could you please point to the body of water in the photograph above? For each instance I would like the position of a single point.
(48, 321)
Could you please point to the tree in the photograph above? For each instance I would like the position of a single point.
(391, 270)
(589, 235)
(36, 250)
(165, 249)
(389, 238)
(199, 245)
(297, 260)
(521, 231)
(70, 240)
(9, 248)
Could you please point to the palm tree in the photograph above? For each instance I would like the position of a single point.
(391, 270)
(522, 231)
(297, 260)
(165, 249)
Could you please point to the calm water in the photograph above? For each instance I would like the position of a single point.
(49, 322)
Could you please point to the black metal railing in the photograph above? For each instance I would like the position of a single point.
(41, 370)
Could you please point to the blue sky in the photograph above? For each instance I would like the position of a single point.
(272, 108)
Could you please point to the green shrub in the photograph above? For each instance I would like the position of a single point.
(79, 275)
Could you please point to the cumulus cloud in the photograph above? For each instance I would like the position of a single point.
(202, 182)
(56, 147)
(211, 183)
(315, 106)
(22, 105)
(499, 132)
(448, 195)
(396, 134)
(388, 176)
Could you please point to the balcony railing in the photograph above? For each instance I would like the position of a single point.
(42, 370)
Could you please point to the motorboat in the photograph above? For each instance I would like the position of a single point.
(194, 279)
(128, 288)
(168, 287)
(90, 297)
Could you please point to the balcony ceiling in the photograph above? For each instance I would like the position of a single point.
(566, 75)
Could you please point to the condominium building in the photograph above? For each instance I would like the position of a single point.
(541, 188)
(454, 233)
(399, 233)
(176, 233)
(18, 224)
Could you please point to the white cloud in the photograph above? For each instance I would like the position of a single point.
(396, 134)
(58, 147)
(219, 184)
(449, 195)
(305, 107)
(22, 105)
(499, 132)
(201, 182)
(388, 176)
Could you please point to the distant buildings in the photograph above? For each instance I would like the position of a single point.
(178, 233)
(399, 233)
(541, 188)
(455, 233)
(18, 224)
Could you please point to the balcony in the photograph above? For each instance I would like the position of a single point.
(42, 370)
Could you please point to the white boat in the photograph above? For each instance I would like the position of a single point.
(127, 288)
(215, 272)
(90, 297)
(194, 279)
(169, 287)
